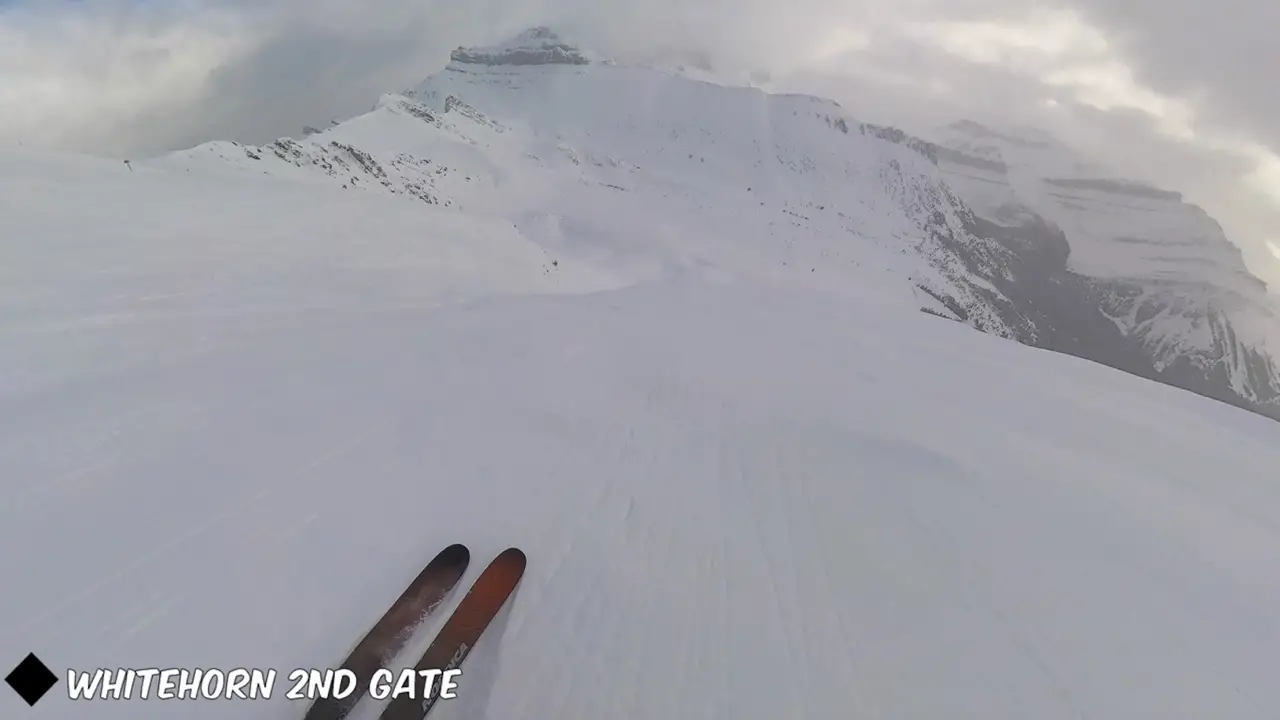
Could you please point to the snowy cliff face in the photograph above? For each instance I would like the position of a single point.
(649, 172)
(1152, 280)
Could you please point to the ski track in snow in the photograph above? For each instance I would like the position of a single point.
(720, 522)
(232, 443)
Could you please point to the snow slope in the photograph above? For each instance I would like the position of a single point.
(239, 413)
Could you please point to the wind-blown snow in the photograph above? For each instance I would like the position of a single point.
(240, 411)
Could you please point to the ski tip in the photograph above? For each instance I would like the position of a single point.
(456, 551)
(513, 554)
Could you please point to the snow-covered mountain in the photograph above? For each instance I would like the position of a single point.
(1184, 307)
(706, 176)
(564, 143)
(245, 393)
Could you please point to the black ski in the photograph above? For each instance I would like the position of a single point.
(389, 635)
(461, 631)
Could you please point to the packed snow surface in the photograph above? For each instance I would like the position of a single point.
(240, 414)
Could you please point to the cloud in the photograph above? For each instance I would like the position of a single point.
(145, 75)
(1056, 68)
(84, 78)
(1220, 54)
(1172, 91)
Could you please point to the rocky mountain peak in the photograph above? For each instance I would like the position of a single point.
(535, 46)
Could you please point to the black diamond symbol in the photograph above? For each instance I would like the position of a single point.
(31, 679)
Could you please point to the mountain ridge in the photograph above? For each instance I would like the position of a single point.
(801, 184)
(1161, 269)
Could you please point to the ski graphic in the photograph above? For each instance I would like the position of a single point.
(389, 635)
(461, 631)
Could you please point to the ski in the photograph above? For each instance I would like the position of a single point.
(461, 631)
(388, 636)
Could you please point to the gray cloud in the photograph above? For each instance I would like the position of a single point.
(1172, 91)
(1225, 54)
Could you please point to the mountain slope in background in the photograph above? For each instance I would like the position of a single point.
(562, 143)
(1184, 307)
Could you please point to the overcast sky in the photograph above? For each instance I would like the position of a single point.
(1183, 93)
